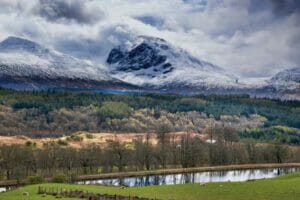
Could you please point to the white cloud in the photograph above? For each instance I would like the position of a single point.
(248, 37)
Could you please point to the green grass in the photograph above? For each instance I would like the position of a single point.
(280, 188)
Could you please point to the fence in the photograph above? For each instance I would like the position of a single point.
(86, 195)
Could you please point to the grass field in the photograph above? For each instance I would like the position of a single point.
(285, 187)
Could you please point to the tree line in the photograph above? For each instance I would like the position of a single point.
(21, 161)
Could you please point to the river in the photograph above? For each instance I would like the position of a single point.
(195, 177)
(198, 177)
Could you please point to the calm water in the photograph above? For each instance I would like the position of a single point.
(199, 177)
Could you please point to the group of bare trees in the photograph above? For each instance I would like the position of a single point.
(20, 161)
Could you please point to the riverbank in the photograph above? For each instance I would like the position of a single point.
(187, 170)
(164, 171)
(285, 187)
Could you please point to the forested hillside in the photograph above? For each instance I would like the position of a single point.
(51, 113)
(245, 130)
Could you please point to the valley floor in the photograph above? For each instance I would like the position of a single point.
(285, 187)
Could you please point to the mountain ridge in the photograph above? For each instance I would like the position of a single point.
(154, 63)
(145, 64)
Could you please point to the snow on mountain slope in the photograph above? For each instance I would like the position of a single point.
(287, 79)
(23, 57)
(146, 63)
(25, 62)
(287, 83)
(154, 63)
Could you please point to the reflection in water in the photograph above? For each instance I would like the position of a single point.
(199, 177)
(203, 177)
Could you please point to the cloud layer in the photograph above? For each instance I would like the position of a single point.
(66, 11)
(248, 37)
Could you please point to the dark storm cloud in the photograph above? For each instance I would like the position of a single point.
(55, 10)
(285, 7)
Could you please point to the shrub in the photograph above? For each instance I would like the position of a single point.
(30, 144)
(34, 179)
(89, 135)
(62, 142)
(76, 137)
(59, 179)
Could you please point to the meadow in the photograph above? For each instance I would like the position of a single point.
(279, 188)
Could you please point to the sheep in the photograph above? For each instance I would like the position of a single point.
(25, 193)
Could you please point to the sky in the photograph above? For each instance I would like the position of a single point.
(251, 38)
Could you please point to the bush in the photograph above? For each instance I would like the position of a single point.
(59, 179)
(89, 135)
(34, 179)
(30, 144)
(76, 137)
(62, 142)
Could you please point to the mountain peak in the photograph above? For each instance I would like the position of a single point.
(17, 43)
(15, 40)
(151, 61)
(140, 56)
(288, 75)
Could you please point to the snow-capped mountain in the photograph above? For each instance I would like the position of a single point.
(156, 64)
(143, 64)
(287, 79)
(25, 64)
(152, 62)
(287, 83)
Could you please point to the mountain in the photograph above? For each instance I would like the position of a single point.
(287, 78)
(26, 65)
(287, 83)
(155, 64)
(145, 64)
